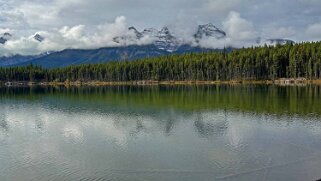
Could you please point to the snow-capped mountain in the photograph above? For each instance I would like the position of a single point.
(164, 39)
(209, 30)
(132, 45)
(5, 37)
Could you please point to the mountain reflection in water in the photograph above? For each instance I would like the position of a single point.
(218, 132)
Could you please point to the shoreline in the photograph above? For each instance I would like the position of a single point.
(280, 82)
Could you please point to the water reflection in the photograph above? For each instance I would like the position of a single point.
(160, 133)
(208, 126)
(257, 98)
(4, 128)
(4, 125)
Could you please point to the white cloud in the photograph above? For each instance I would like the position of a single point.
(215, 43)
(238, 28)
(75, 32)
(239, 33)
(223, 6)
(314, 31)
(77, 37)
(12, 19)
(80, 23)
(40, 14)
(279, 32)
(4, 30)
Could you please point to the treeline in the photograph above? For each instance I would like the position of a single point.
(255, 63)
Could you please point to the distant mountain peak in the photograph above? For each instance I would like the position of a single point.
(128, 37)
(2, 40)
(5, 37)
(164, 39)
(7, 34)
(132, 28)
(209, 30)
(138, 34)
(38, 37)
(165, 30)
(152, 32)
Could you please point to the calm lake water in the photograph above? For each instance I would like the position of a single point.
(161, 133)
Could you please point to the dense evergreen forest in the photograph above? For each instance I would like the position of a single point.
(255, 63)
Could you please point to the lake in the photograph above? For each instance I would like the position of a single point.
(161, 133)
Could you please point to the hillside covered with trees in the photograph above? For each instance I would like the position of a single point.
(255, 63)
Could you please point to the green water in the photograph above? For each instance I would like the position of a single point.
(223, 132)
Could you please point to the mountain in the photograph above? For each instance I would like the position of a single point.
(76, 57)
(162, 42)
(133, 45)
(38, 37)
(164, 39)
(138, 34)
(132, 36)
(152, 32)
(209, 30)
(6, 61)
(5, 37)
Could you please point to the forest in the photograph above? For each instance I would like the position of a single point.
(254, 63)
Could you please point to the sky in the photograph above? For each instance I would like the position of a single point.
(94, 23)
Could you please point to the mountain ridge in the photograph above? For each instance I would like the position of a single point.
(84, 56)
(166, 40)
(160, 42)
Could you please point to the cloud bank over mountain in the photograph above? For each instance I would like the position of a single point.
(239, 33)
(77, 37)
(61, 24)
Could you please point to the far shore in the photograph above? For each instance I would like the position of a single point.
(284, 82)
